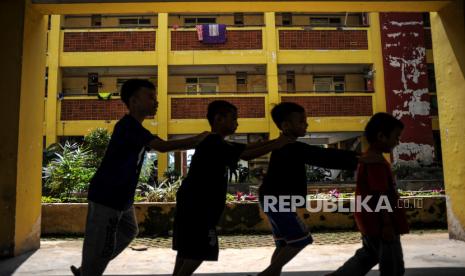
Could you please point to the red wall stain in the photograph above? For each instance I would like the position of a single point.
(405, 75)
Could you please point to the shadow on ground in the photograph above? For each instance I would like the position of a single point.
(430, 271)
(8, 266)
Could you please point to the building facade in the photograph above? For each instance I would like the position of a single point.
(342, 67)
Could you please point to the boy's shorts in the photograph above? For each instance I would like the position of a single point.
(288, 229)
(194, 237)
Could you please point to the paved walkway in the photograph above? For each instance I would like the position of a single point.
(425, 254)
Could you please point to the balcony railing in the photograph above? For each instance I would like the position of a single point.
(309, 38)
(195, 106)
(109, 40)
(238, 38)
(333, 104)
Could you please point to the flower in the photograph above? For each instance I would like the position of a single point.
(334, 193)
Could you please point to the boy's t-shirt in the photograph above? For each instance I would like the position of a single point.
(287, 174)
(203, 191)
(114, 183)
(376, 180)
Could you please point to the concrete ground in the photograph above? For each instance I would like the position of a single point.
(425, 254)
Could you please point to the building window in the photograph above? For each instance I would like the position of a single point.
(329, 84)
(287, 19)
(207, 85)
(192, 21)
(92, 83)
(241, 81)
(325, 21)
(290, 81)
(135, 21)
(96, 20)
(238, 19)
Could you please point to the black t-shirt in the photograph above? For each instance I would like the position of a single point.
(203, 191)
(114, 183)
(287, 173)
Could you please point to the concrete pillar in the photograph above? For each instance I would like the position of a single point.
(271, 68)
(377, 56)
(54, 79)
(21, 106)
(448, 35)
(162, 88)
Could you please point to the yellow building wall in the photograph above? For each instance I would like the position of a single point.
(303, 82)
(227, 83)
(76, 22)
(256, 83)
(176, 84)
(355, 82)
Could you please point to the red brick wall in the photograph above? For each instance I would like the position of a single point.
(196, 108)
(323, 39)
(236, 40)
(109, 41)
(92, 110)
(329, 106)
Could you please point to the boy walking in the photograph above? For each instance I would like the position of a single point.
(201, 198)
(111, 223)
(380, 231)
(286, 178)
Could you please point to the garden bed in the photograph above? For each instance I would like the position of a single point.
(155, 218)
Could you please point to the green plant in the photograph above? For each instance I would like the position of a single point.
(69, 173)
(138, 198)
(230, 197)
(165, 192)
(48, 199)
(97, 142)
(146, 170)
(50, 153)
(172, 175)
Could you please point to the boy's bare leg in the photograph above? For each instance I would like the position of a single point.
(187, 267)
(282, 257)
(276, 253)
(177, 265)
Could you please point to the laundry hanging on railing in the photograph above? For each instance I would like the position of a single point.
(211, 33)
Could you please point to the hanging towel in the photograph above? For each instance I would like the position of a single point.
(199, 29)
(213, 30)
(214, 33)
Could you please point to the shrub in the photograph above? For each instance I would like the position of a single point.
(165, 192)
(97, 142)
(69, 173)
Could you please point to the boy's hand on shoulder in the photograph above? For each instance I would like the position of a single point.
(199, 138)
(372, 159)
(283, 140)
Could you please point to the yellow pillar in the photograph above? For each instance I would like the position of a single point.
(21, 105)
(376, 49)
(54, 79)
(162, 88)
(271, 68)
(448, 35)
